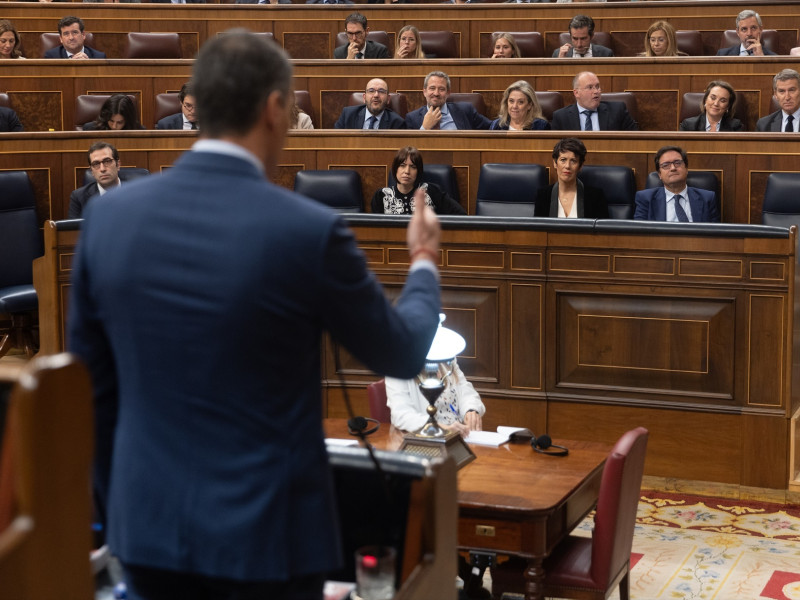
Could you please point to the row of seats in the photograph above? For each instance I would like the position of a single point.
(140, 44)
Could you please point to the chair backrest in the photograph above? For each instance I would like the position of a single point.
(689, 41)
(530, 43)
(50, 430)
(704, 180)
(550, 103)
(20, 235)
(50, 40)
(167, 104)
(474, 98)
(780, 206)
(303, 100)
(442, 175)
(509, 189)
(339, 189)
(626, 98)
(617, 503)
(600, 37)
(690, 107)
(153, 45)
(769, 39)
(125, 174)
(378, 409)
(379, 37)
(439, 44)
(87, 107)
(619, 185)
(398, 102)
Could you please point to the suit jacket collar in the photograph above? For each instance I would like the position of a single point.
(228, 149)
(695, 202)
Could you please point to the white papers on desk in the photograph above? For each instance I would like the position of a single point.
(491, 438)
(341, 442)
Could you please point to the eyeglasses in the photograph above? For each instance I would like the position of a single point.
(188, 106)
(380, 91)
(675, 163)
(596, 86)
(106, 162)
(355, 33)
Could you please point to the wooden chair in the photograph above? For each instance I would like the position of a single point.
(44, 550)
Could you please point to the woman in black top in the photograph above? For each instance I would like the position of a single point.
(716, 110)
(118, 112)
(398, 199)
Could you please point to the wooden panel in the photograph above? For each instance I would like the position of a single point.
(527, 351)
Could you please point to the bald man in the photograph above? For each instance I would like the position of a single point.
(374, 113)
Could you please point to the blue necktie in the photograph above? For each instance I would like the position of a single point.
(588, 114)
(679, 212)
(371, 122)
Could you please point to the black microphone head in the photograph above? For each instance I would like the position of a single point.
(357, 423)
(543, 442)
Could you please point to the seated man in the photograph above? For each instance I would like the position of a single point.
(675, 201)
(438, 113)
(104, 162)
(187, 118)
(355, 26)
(581, 32)
(374, 113)
(589, 113)
(749, 30)
(786, 88)
(71, 33)
(9, 120)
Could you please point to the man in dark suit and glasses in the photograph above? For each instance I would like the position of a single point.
(198, 302)
(187, 118)
(786, 88)
(374, 113)
(589, 113)
(358, 46)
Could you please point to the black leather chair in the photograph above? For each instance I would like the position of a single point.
(509, 189)
(704, 180)
(125, 174)
(339, 189)
(780, 207)
(20, 244)
(153, 45)
(439, 44)
(442, 175)
(619, 185)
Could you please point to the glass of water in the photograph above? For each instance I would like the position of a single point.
(375, 572)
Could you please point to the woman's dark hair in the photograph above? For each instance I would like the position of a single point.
(402, 155)
(118, 104)
(725, 86)
(573, 145)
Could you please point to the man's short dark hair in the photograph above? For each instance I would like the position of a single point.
(663, 150)
(581, 21)
(358, 18)
(187, 89)
(573, 145)
(67, 21)
(233, 76)
(99, 146)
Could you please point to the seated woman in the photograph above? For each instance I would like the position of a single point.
(458, 408)
(300, 120)
(568, 197)
(519, 109)
(660, 41)
(716, 110)
(409, 44)
(9, 40)
(398, 199)
(504, 46)
(118, 112)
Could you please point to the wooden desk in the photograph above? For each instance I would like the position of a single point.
(513, 500)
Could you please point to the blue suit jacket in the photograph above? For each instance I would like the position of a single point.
(651, 205)
(200, 319)
(352, 117)
(171, 122)
(59, 52)
(464, 115)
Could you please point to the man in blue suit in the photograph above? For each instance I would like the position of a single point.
(438, 113)
(72, 35)
(675, 201)
(198, 303)
(749, 30)
(187, 118)
(590, 113)
(374, 113)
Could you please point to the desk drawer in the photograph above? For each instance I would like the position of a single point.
(490, 533)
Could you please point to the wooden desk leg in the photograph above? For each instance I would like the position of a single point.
(534, 580)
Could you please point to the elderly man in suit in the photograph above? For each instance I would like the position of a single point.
(675, 201)
(581, 32)
(749, 30)
(71, 32)
(438, 113)
(199, 298)
(589, 113)
(374, 113)
(786, 88)
(358, 46)
(187, 118)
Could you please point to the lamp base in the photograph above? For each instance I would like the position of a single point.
(452, 444)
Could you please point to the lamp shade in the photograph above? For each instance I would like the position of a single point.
(446, 345)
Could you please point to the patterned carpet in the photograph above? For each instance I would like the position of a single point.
(686, 547)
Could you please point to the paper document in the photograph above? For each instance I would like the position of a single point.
(491, 438)
(341, 442)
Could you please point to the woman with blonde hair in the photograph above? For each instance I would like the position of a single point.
(409, 44)
(519, 109)
(504, 46)
(9, 40)
(660, 40)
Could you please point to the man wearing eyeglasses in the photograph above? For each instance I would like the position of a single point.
(675, 201)
(187, 118)
(590, 113)
(104, 162)
(358, 46)
(374, 113)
